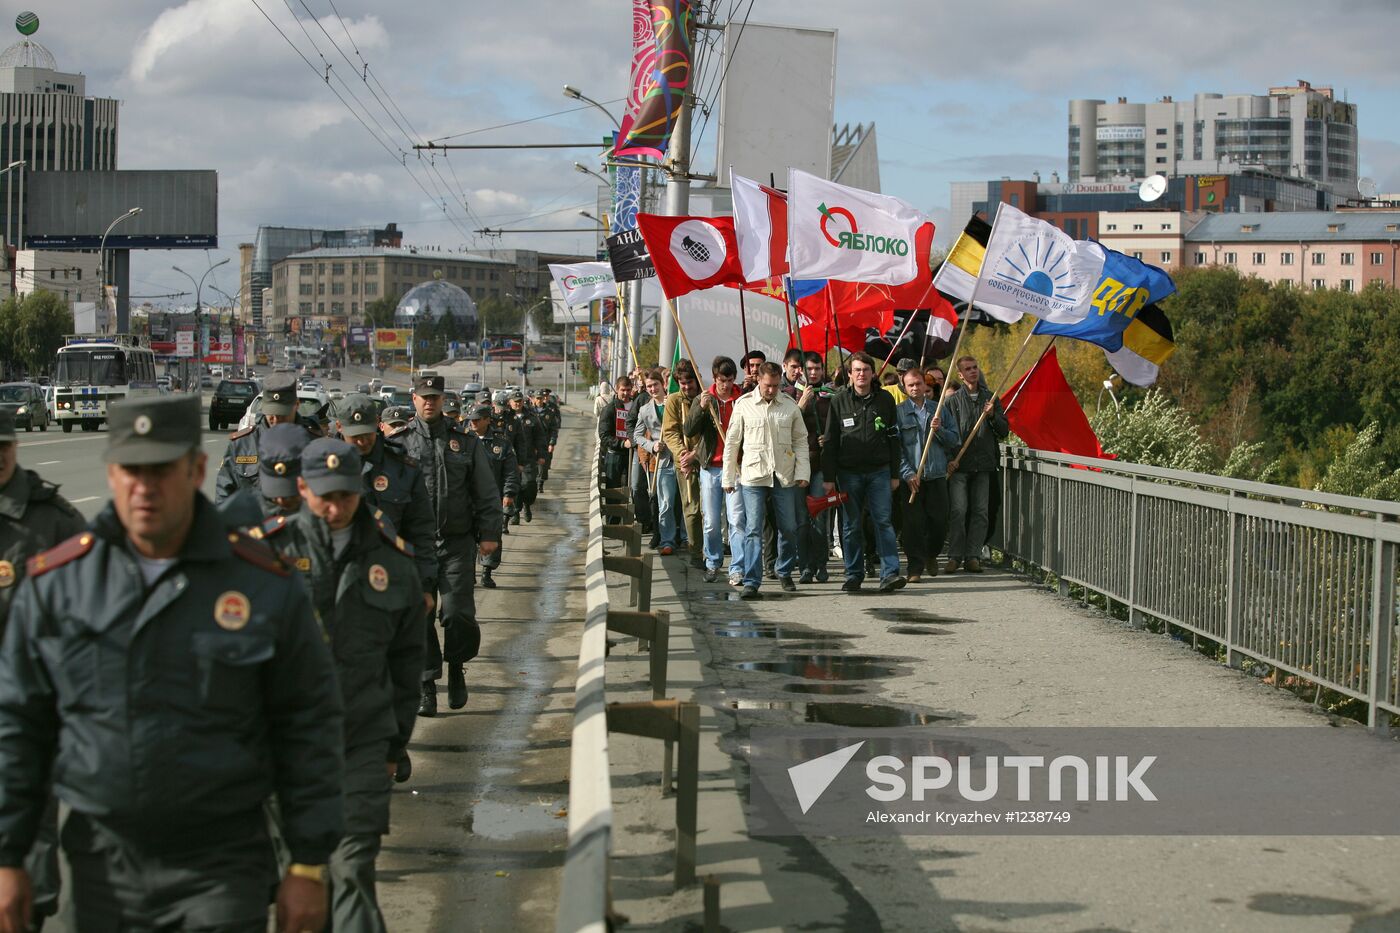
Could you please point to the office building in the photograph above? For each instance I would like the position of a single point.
(273, 244)
(1345, 249)
(1299, 131)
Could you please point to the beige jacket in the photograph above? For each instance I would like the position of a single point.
(766, 439)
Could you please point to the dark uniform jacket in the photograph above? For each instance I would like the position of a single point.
(394, 485)
(862, 434)
(33, 518)
(239, 469)
(370, 600)
(506, 423)
(501, 453)
(532, 442)
(983, 454)
(551, 418)
(167, 713)
(458, 477)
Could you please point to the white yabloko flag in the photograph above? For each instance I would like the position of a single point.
(582, 282)
(836, 232)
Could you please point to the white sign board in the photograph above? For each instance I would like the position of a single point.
(184, 343)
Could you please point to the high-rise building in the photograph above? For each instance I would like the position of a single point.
(47, 121)
(274, 244)
(1298, 131)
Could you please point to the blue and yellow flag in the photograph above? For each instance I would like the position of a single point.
(1126, 287)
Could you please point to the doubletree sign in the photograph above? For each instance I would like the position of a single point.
(27, 23)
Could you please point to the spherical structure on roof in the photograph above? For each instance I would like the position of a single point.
(429, 301)
(28, 54)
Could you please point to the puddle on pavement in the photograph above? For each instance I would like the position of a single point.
(494, 820)
(811, 641)
(741, 629)
(824, 667)
(914, 616)
(721, 597)
(869, 715)
(833, 690)
(763, 704)
(916, 630)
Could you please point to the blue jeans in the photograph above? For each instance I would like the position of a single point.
(667, 503)
(869, 492)
(813, 532)
(785, 513)
(713, 498)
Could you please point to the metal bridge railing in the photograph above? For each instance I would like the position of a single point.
(1304, 581)
(585, 895)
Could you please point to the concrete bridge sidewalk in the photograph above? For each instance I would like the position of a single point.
(986, 650)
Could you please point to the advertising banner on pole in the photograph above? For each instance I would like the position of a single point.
(393, 338)
(184, 343)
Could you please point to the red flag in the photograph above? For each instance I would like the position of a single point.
(691, 253)
(1046, 415)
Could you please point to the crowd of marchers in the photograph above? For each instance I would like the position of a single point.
(785, 468)
(223, 693)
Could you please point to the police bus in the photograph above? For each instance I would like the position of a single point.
(94, 370)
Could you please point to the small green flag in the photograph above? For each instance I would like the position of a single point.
(672, 385)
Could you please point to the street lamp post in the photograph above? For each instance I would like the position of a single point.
(233, 317)
(198, 305)
(19, 238)
(575, 94)
(102, 266)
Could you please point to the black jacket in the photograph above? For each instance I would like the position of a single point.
(458, 476)
(170, 711)
(394, 485)
(984, 453)
(33, 518)
(607, 425)
(862, 434)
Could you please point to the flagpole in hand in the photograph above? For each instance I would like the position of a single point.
(695, 364)
(1006, 409)
(938, 409)
(995, 395)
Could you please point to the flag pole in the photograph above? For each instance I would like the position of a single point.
(792, 313)
(695, 364)
(743, 319)
(1006, 410)
(938, 409)
(983, 417)
(623, 315)
(831, 317)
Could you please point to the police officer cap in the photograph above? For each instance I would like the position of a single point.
(451, 406)
(500, 396)
(329, 465)
(152, 430)
(7, 426)
(428, 385)
(516, 395)
(279, 459)
(478, 412)
(546, 391)
(279, 394)
(396, 415)
(357, 415)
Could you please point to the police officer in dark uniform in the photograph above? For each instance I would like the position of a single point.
(367, 593)
(33, 518)
(394, 420)
(467, 507)
(553, 419)
(239, 469)
(165, 676)
(279, 465)
(503, 422)
(502, 456)
(530, 445)
(393, 486)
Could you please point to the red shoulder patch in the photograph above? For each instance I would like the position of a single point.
(243, 433)
(257, 553)
(64, 552)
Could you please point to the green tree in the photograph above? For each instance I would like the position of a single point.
(42, 320)
(1362, 470)
(380, 312)
(1154, 432)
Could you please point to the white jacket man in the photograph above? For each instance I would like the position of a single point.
(767, 441)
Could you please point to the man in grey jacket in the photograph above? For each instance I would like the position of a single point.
(970, 483)
(665, 492)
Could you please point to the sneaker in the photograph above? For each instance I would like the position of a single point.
(807, 577)
(851, 586)
(749, 592)
(667, 550)
(950, 567)
(787, 584)
(973, 566)
(486, 580)
(736, 580)
(711, 576)
(890, 584)
(654, 544)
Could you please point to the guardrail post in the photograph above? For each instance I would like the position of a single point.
(675, 721)
(1058, 533)
(1233, 573)
(630, 535)
(1134, 616)
(1382, 627)
(639, 569)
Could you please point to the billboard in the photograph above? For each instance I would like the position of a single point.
(777, 103)
(393, 338)
(71, 210)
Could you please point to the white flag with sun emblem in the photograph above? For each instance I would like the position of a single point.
(836, 232)
(1032, 267)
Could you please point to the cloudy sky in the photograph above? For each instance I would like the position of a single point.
(957, 91)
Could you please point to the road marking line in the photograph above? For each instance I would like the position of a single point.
(84, 499)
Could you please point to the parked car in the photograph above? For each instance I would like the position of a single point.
(397, 397)
(206, 381)
(333, 375)
(231, 399)
(25, 400)
(471, 391)
(387, 391)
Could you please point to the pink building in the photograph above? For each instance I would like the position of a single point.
(1344, 249)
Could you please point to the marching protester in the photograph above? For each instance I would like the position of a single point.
(467, 509)
(925, 491)
(861, 452)
(366, 592)
(658, 465)
(691, 452)
(501, 454)
(612, 434)
(765, 459)
(709, 417)
(642, 505)
(814, 535)
(969, 483)
(167, 828)
(749, 364)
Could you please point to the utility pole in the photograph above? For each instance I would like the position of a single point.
(677, 197)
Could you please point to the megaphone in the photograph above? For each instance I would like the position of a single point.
(816, 505)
